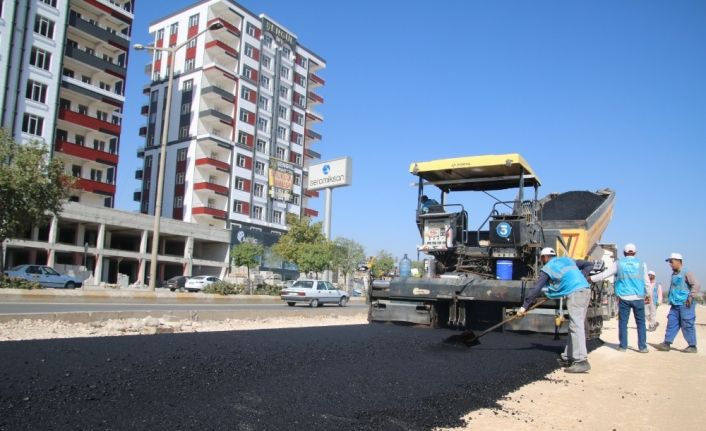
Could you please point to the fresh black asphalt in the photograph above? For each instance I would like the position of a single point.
(364, 377)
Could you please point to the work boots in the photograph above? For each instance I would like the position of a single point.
(578, 367)
(690, 349)
(663, 347)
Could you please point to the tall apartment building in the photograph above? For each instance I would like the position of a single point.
(63, 65)
(241, 120)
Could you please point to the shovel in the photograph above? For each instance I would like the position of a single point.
(469, 339)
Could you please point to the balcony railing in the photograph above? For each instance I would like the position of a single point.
(92, 60)
(140, 152)
(223, 93)
(139, 173)
(310, 212)
(316, 79)
(89, 122)
(209, 162)
(124, 10)
(312, 154)
(145, 110)
(201, 210)
(98, 187)
(312, 135)
(87, 153)
(226, 25)
(205, 185)
(142, 131)
(137, 195)
(311, 193)
(315, 97)
(313, 116)
(222, 45)
(224, 118)
(99, 32)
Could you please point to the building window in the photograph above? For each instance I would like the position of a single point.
(259, 190)
(298, 139)
(280, 153)
(40, 58)
(299, 79)
(250, 29)
(265, 82)
(286, 52)
(178, 201)
(277, 217)
(194, 20)
(173, 29)
(297, 180)
(284, 72)
(266, 62)
(242, 138)
(257, 212)
(262, 124)
(185, 108)
(51, 3)
(189, 64)
(261, 146)
(281, 132)
(191, 44)
(267, 41)
(76, 171)
(97, 175)
(264, 103)
(259, 168)
(240, 184)
(160, 34)
(44, 26)
(298, 118)
(296, 199)
(283, 92)
(103, 116)
(244, 116)
(282, 112)
(240, 161)
(183, 132)
(298, 159)
(238, 207)
(33, 124)
(181, 155)
(180, 178)
(36, 91)
(249, 51)
(188, 85)
(245, 93)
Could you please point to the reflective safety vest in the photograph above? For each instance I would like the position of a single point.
(679, 291)
(564, 277)
(630, 279)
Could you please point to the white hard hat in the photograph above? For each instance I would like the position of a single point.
(651, 273)
(676, 256)
(547, 251)
(630, 248)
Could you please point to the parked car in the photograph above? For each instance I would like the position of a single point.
(44, 276)
(176, 283)
(199, 282)
(315, 293)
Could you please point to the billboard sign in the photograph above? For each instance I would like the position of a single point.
(281, 180)
(334, 173)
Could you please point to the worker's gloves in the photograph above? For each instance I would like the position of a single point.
(522, 312)
(648, 299)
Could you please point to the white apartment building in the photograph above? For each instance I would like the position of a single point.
(241, 120)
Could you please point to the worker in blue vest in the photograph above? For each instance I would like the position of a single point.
(566, 277)
(631, 281)
(682, 315)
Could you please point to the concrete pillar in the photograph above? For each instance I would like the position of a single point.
(33, 251)
(100, 243)
(188, 256)
(143, 261)
(53, 233)
(225, 271)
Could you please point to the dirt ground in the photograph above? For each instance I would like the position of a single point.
(623, 391)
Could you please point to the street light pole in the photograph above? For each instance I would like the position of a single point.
(163, 145)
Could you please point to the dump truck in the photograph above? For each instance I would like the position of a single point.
(481, 275)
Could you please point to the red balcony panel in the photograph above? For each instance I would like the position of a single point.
(179, 190)
(250, 142)
(191, 31)
(173, 39)
(310, 212)
(317, 79)
(299, 60)
(157, 66)
(95, 186)
(256, 54)
(219, 214)
(225, 73)
(159, 43)
(248, 163)
(247, 186)
(311, 193)
(191, 52)
(213, 162)
(314, 117)
(181, 166)
(178, 214)
(204, 185)
(225, 47)
(258, 33)
(89, 122)
(244, 208)
(86, 153)
(293, 157)
(227, 25)
(315, 97)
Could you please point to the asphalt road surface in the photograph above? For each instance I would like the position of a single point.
(364, 377)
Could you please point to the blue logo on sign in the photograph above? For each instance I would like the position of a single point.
(504, 230)
(326, 169)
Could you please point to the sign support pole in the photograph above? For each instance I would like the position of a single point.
(328, 198)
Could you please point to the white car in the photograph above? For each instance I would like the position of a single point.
(199, 282)
(315, 293)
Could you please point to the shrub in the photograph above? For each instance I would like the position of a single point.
(224, 288)
(267, 289)
(17, 283)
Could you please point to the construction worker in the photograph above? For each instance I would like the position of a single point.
(683, 289)
(651, 309)
(427, 203)
(631, 283)
(566, 278)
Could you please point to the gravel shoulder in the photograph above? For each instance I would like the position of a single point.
(623, 391)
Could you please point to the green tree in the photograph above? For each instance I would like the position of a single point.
(32, 186)
(383, 264)
(247, 254)
(346, 255)
(305, 245)
(315, 257)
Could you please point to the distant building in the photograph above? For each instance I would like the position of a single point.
(62, 81)
(241, 123)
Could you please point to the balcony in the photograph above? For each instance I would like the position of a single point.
(313, 116)
(140, 152)
(213, 163)
(137, 195)
(312, 154)
(94, 92)
(310, 212)
(145, 110)
(214, 113)
(216, 213)
(205, 185)
(146, 89)
(97, 187)
(139, 174)
(311, 135)
(311, 194)
(219, 75)
(95, 62)
(214, 92)
(89, 122)
(122, 11)
(218, 44)
(143, 131)
(315, 80)
(87, 153)
(315, 98)
(228, 28)
(100, 33)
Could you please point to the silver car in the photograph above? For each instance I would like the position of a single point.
(44, 276)
(314, 293)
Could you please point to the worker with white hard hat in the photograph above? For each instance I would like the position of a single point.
(631, 282)
(651, 309)
(566, 277)
(683, 289)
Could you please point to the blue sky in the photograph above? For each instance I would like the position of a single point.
(593, 94)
